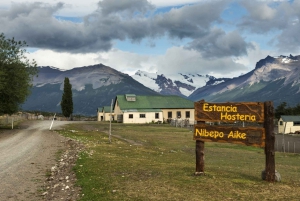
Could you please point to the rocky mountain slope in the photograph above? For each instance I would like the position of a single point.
(274, 78)
(92, 86)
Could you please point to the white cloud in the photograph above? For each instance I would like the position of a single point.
(80, 8)
(164, 3)
(178, 59)
(122, 61)
(62, 60)
(254, 55)
(72, 7)
(213, 51)
(189, 61)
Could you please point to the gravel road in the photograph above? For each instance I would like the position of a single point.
(26, 154)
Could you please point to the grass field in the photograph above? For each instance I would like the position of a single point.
(157, 162)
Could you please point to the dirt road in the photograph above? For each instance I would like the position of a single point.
(26, 154)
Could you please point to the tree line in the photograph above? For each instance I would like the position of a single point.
(284, 109)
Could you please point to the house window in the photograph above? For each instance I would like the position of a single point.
(130, 97)
(130, 116)
(178, 114)
(169, 114)
(296, 123)
(187, 114)
(142, 115)
(280, 123)
(156, 115)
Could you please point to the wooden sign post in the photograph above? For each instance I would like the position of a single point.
(270, 142)
(230, 113)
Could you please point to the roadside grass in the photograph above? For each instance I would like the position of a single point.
(163, 167)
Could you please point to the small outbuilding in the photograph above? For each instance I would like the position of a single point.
(103, 113)
(288, 124)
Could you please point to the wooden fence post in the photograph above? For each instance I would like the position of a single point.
(269, 141)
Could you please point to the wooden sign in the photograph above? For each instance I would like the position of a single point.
(232, 112)
(229, 112)
(251, 136)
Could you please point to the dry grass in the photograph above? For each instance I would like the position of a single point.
(163, 167)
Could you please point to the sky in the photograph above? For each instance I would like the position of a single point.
(222, 38)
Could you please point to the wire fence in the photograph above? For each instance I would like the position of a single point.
(287, 143)
(10, 120)
(183, 123)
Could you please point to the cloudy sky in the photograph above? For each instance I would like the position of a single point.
(224, 38)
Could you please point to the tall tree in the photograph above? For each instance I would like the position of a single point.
(67, 99)
(16, 74)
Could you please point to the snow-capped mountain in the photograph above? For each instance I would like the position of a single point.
(274, 78)
(182, 84)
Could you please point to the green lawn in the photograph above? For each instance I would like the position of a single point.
(157, 162)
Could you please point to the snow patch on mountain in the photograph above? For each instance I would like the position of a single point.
(184, 91)
(147, 79)
(218, 82)
(183, 83)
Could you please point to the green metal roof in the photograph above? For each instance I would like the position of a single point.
(106, 109)
(287, 118)
(155, 102)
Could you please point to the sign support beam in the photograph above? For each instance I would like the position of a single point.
(270, 141)
(200, 154)
(199, 157)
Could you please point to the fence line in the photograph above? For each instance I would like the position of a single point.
(287, 146)
(182, 123)
(8, 120)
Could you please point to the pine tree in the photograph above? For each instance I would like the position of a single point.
(67, 99)
(16, 74)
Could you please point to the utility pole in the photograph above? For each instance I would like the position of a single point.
(109, 137)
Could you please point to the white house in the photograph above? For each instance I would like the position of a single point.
(288, 124)
(103, 113)
(131, 108)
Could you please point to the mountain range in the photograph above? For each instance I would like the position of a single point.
(274, 78)
(92, 86)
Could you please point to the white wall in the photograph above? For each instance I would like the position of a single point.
(183, 114)
(290, 128)
(99, 116)
(107, 117)
(281, 127)
(287, 127)
(149, 117)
